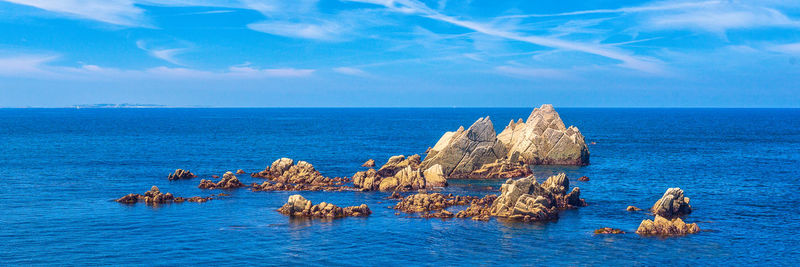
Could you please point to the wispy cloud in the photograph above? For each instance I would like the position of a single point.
(118, 12)
(647, 8)
(321, 31)
(791, 49)
(418, 8)
(166, 54)
(350, 71)
(41, 67)
(524, 72)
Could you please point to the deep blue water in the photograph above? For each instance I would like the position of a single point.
(63, 167)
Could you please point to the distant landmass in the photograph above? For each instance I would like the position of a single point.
(123, 105)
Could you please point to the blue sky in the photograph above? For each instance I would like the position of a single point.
(400, 53)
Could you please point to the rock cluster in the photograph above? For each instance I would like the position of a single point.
(667, 221)
(432, 205)
(154, 196)
(180, 174)
(400, 174)
(543, 139)
(479, 209)
(285, 171)
(608, 230)
(527, 200)
(298, 206)
(229, 181)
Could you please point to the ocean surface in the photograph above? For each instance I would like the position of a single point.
(63, 168)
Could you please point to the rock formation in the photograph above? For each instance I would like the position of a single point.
(665, 227)
(297, 205)
(583, 179)
(229, 181)
(369, 163)
(400, 174)
(154, 196)
(668, 210)
(285, 171)
(423, 202)
(527, 200)
(240, 171)
(543, 139)
(672, 204)
(478, 152)
(180, 174)
(633, 208)
(479, 209)
(608, 230)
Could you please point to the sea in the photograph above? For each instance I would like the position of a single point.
(63, 168)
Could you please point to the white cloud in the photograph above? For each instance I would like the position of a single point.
(791, 49)
(420, 9)
(719, 19)
(166, 54)
(118, 12)
(663, 6)
(522, 72)
(350, 71)
(321, 31)
(41, 67)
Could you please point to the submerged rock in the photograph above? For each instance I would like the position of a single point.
(672, 204)
(583, 179)
(543, 140)
(154, 196)
(180, 174)
(240, 171)
(608, 230)
(297, 205)
(527, 200)
(633, 208)
(229, 181)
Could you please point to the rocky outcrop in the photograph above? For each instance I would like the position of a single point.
(298, 206)
(285, 171)
(463, 151)
(154, 197)
(400, 174)
(500, 169)
(661, 226)
(672, 204)
(479, 209)
(240, 171)
(423, 202)
(607, 231)
(229, 181)
(542, 140)
(667, 222)
(527, 200)
(369, 163)
(398, 163)
(181, 174)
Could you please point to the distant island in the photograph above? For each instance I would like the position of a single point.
(123, 105)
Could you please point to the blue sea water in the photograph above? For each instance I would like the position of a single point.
(62, 169)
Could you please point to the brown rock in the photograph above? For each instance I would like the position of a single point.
(155, 197)
(583, 179)
(298, 206)
(527, 200)
(240, 171)
(608, 230)
(423, 202)
(672, 204)
(180, 174)
(633, 208)
(665, 227)
(229, 181)
(500, 169)
(369, 163)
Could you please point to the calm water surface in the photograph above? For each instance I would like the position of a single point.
(63, 168)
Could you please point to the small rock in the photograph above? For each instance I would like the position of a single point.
(240, 171)
(633, 208)
(608, 230)
(369, 163)
(583, 179)
(180, 174)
